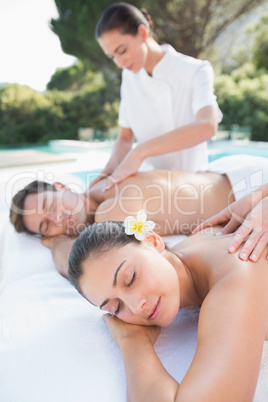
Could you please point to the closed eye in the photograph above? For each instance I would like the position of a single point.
(51, 207)
(134, 277)
(118, 309)
(43, 227)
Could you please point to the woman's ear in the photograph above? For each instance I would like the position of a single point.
(143, 32)
(154, 239)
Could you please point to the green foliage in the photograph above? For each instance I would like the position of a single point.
(30, 117)
(244, 100)
(191, 26)
(82, 96)
(254, 50)
(76, 27)
(25, 115)
(260, 49)
(76, 77)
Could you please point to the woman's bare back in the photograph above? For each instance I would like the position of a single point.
(209, 262)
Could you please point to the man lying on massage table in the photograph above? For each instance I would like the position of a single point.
(176, 201)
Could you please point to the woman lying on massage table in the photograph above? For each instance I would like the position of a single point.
(144, 283)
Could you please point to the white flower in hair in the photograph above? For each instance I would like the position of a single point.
(138, 226)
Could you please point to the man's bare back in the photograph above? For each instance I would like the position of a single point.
(176, 201)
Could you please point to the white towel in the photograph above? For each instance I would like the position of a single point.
(54, 345)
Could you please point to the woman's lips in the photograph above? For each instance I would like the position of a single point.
(155, 311)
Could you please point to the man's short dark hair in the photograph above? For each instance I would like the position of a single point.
(17, 204)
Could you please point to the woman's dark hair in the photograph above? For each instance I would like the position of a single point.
(93, 242)
(123, 17)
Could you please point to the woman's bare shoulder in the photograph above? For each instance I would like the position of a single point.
(207, 257)
(204, 235)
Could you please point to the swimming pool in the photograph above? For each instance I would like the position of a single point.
(218, 149)
(61, 146)
(97, 153)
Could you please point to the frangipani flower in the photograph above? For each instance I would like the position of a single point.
(138, 226)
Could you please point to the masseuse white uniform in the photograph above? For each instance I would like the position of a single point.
(151, 106)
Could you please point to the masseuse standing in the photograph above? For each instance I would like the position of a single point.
(167, 98)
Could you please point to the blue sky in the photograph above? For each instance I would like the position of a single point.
(29, 51)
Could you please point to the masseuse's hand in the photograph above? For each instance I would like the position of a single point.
(121, 148)
(233, 215)
(120, 330)
(255, 226)
(249, 217)
(128, 167)
(109, 168)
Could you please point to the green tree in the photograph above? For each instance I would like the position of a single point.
(25, 115)
(76, 77)
(243, 99)
(252, 53)
(260, 49)
(30, 117)
(191, 26)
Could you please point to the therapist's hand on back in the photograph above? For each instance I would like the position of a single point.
(122, 149)
(128, 167)
(249, 218)
(108, 169)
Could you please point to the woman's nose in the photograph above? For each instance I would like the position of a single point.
(119, 61)
(137, 305)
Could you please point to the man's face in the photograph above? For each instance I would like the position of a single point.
(51, 213)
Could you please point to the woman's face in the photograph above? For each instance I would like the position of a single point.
(51, 213)
(127, 51)
(135, 282)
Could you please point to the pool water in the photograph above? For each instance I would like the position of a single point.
(42, 148)
(218, 149)
(60, 146)
(87, 177)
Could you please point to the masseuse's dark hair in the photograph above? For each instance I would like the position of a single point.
(123, 17)
(93, 242)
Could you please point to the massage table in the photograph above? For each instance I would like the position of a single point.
(55, 346)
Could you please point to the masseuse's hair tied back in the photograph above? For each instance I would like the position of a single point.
(148, 18)
(123, 17)
(93, 242)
